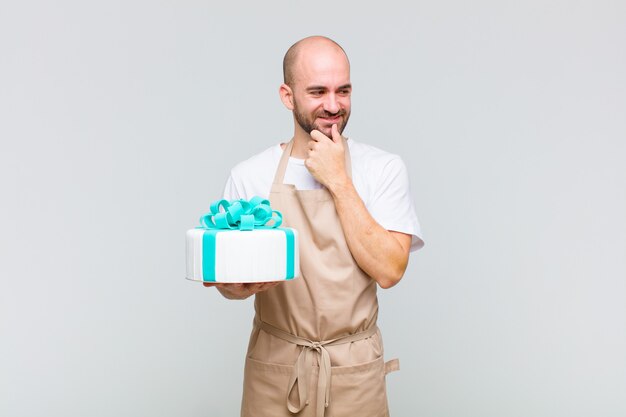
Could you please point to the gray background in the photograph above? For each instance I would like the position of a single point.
(119, 121)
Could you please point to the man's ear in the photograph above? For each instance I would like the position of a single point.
(286, 96)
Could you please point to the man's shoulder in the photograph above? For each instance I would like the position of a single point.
(372, 157)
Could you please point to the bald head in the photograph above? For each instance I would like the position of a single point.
(303, 48)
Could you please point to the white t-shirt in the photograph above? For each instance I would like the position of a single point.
(380, 179)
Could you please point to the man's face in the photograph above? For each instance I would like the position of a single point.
(321, 93)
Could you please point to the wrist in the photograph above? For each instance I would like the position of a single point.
(341, 187)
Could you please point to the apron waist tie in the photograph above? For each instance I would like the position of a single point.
(304, 364)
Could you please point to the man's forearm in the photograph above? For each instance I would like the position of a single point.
(382, 254)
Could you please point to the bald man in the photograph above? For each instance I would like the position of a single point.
(315, 348)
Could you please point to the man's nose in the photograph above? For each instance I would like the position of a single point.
(331, 105)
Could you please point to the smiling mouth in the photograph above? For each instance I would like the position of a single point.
(333, 119)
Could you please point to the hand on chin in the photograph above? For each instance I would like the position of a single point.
(327, 130)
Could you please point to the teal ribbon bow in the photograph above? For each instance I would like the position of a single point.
(241, 214)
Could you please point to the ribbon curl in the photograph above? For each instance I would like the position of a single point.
(241, 214)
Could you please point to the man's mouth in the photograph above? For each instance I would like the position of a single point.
(331, 118)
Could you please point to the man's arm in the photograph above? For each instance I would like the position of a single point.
(382, 254)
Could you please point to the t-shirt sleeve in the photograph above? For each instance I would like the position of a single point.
(391, 204)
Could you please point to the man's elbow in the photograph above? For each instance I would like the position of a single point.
(397, 261)
(393, 276)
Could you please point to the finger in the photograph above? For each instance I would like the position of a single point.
(335, 133)
(315, 135)
(218, 284)
(237, 286)
(318, 136)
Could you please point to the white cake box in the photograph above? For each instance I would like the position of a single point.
(259, 255)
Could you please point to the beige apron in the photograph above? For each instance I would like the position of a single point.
(315, 349)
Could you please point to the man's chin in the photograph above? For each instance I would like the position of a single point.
(326, 130)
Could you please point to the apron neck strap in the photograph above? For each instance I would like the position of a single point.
(282, 165)
(284, 160)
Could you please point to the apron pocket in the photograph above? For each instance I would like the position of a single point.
(265, 389)
(358, 390)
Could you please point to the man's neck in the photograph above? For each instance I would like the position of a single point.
(300, 141)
